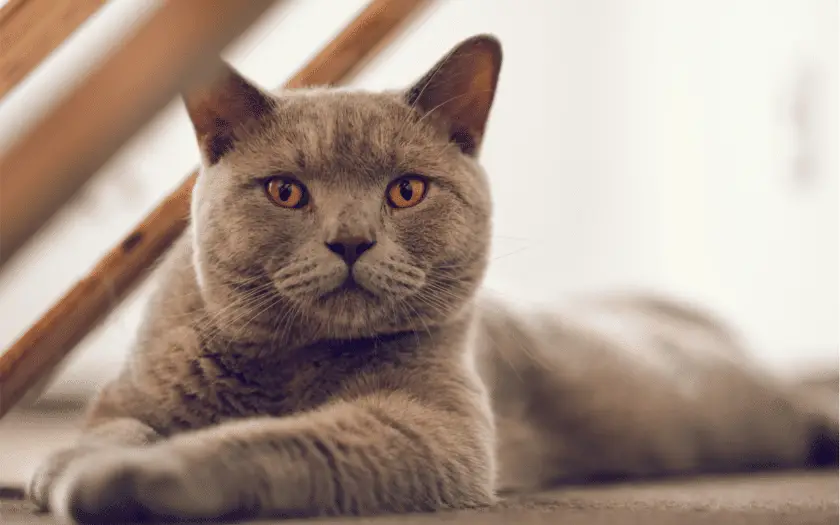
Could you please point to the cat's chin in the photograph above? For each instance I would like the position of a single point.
(348, 307)
(354, 311)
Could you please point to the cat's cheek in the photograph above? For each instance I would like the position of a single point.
(426, 234)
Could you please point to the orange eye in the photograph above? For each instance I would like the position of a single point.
(286, 193)
(407, 191)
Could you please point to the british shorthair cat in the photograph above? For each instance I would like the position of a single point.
(318, 345)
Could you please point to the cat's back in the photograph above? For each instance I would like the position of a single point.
(634, 334)
(632, 385)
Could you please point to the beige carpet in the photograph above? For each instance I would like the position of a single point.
(796, 498)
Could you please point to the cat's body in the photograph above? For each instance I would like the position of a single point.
(326, 352)
(632, 386)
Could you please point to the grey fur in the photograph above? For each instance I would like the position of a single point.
(257, 389)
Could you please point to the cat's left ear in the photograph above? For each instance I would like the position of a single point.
(221, 108)
(460, 90)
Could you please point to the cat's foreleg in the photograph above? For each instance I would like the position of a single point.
(111, 434)
(377, 454)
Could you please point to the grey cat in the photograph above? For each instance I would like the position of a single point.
(317, 344)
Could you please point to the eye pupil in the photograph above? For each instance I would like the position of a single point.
(406, 191)
(285, 192)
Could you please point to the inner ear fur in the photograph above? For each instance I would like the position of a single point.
(460, 90)
(220, 108)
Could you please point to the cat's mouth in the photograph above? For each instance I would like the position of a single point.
(349, 287)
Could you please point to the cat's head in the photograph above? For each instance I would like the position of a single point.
(353, 213)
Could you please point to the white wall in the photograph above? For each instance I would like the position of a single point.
(634, 143)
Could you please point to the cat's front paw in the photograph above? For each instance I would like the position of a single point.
(135, 485)
(44, 479)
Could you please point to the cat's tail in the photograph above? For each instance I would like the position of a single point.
(822, 394)
(824, 446)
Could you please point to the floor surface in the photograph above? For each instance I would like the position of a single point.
(795, 498)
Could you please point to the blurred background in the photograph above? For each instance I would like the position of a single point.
(687, 147)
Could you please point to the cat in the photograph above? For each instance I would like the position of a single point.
(318, 343)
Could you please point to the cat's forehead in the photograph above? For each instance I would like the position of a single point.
(321, 132)
(345, 119)
(325, 101)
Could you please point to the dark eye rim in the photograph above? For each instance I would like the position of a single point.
(407, 176)
(304, 199)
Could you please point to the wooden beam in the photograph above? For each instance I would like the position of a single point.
(31, 29)
(44, 169)
(46, 343)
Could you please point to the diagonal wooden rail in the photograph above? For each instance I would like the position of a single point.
(48, 165)
(32, 29)
(47, 342)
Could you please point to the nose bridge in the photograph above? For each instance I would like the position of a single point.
(351, 221)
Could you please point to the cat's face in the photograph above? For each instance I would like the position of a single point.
(356, 213)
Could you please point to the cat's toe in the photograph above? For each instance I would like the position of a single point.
(38, 490)
(45, 477)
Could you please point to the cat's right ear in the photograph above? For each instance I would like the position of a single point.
(221, 108)
(459, 90)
